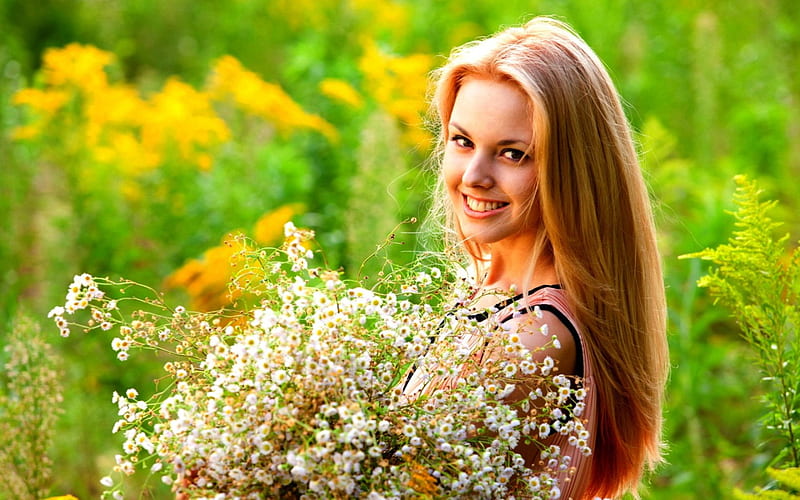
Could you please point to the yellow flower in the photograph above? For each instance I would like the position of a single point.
(269, 228)
(204, 161)
(133, 157)
(206, 279)
(45, 105)
(114, 106)
(47, 102)
(421, 480)
(25, 132)
(77, 65)
(341, 91)
(230, 80)
(183, 116)
(399, 85)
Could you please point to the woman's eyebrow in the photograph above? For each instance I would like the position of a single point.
(504, 142)
(458, 127)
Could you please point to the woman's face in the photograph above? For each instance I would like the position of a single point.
(489, 176)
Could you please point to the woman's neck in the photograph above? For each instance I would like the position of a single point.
(503, 275)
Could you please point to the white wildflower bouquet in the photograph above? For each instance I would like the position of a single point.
(303, 394)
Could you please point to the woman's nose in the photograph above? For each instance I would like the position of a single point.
(478, 171)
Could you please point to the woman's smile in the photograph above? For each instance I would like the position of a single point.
(482, 208)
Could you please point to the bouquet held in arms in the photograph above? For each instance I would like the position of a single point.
(301, 394)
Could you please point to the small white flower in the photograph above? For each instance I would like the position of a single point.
(280, 377)
(507, 390)
(547, 366)
(107, 482)
(116, 344)
(324, 436)
(527, 367)
(509, 370)
(118, 425)
(56, 311)
(129, 447)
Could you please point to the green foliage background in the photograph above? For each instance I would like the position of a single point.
(711, 87)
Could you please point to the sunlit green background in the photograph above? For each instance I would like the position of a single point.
(712, 89)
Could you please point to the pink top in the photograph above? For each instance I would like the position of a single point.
(574, 481)
(573, 485)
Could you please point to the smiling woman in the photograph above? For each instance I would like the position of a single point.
(540, 186)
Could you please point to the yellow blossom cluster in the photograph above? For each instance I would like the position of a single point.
(231, 81)
(399, 85)
(268, 230)
(77, 65)
(341, 91)
(80, 114)
(179, 103)
(206, 279)
(112, 123)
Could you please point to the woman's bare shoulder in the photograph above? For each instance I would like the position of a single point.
(545, 334)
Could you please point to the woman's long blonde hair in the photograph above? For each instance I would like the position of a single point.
(596, 221)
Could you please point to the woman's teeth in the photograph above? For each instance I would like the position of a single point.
(484, 206)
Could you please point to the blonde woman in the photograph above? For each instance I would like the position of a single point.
(541, 187)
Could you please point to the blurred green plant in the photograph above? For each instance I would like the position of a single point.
(706, 452)
(30, 404)
(759, 282)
